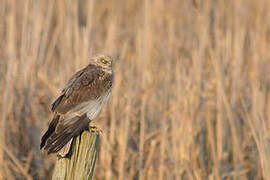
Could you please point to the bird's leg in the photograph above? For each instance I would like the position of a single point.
(94, 128)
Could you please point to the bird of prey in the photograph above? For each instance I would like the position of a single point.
(81, 100)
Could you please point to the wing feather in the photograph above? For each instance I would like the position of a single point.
(65, 90)
(50, 130)
(87, 85)
(56, 102)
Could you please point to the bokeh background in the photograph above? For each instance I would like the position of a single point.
(191, 97)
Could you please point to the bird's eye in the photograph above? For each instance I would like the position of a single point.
(104, 61)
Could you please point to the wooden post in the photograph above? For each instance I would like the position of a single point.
(81, 163)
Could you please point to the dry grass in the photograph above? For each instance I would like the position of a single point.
(191, 94)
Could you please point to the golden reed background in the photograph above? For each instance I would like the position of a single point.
(191, 93)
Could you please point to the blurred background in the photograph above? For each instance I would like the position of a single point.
(191, 97)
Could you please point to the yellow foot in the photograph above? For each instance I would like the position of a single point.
(95, 130)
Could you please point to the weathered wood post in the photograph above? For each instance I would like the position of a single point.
(81, 163)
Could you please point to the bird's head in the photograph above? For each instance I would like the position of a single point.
(103, 60)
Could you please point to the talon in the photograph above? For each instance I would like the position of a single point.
(95, 130)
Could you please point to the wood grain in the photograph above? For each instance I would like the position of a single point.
(81, 162)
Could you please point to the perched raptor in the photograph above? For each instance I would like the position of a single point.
(80, 101)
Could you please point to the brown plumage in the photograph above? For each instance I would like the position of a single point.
(80, 101)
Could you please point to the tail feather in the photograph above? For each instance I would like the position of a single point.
(58, 136)
(66, 149)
